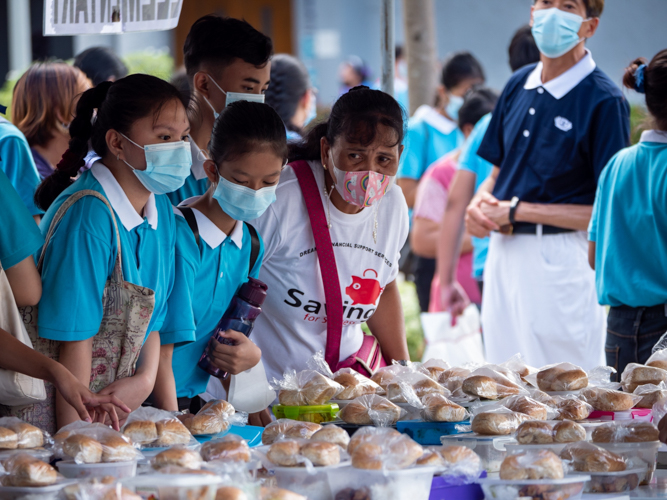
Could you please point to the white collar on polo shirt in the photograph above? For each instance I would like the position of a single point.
(197, 160)
(654, 136)
(437, 121)
(120, 202)
(208, 231)
(561, 85)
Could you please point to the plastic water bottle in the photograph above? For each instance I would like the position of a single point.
(241, 314)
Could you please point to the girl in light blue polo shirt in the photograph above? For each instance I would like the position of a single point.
(140, 132)
(628, 229)
(214, 244)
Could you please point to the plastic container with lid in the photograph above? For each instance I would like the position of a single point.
(612, 482)
(639, 454)
(568, 488)
(515, 447)
(174, 486)
(491, 449)
(51, 492)
(316, 414)
(38, 453)
(119, 470)
(407, 484)
(312, 484)
(428, 433)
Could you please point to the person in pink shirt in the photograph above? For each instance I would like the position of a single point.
(431, 201)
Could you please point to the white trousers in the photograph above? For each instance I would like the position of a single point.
(540, 300)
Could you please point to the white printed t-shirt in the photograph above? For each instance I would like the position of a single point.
(292, 326)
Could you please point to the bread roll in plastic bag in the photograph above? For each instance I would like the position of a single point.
(91, 443)
(517, 365)
(434, 368)
(608, 400)
(531, 465)
(151, 427)
(230, 448)
(383, 376)
(542, 397)
(284, 428)
(354, 384)
(305, 388)
(27, 435)
(636, 375)
(586, 457)
(559, 377)
(493, 382)
(371, 409)
(452, 380)
(23, 470)
(629, 431)
(105, 488)
(659, 356)
(434, 407)
(651, 394)
(572, 407)
(215, 417)
(421, 384)
(497, 422)
(378, 450)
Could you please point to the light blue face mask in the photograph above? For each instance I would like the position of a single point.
(453, 106)
(242, 203)
(556, 32)
(167, 166)
(233, 97)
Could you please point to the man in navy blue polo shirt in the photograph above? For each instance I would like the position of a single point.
(554, 128)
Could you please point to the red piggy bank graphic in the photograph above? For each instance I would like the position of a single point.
(364, 290)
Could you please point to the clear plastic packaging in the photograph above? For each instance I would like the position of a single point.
(348, 483)
(659, 356)
(452, 380)
(535, 432)
(497, 422)
(377, 450)
(559, 377)
(175, 487)
(119, 470)
(177, 456)
(600, 376)
(493, 382)
(231, 448)
(636, 375)
(434, 368)
(96, 443)
(609, 400)
(568, 488)
(420, 383)
(433, 407)
(517, 365)
(311, 485)
(490, 449)
(354, 384)
(513, 448)
(17, 434)
(275, 493)
(587, 457)
(23, 470)
(371, 409)
(532, 464)
(153, 428)
(107, 488)
(215, 417)
(572, 408)
(457, 462)
(288, 429)
(613, 482)
(638, 455)
(542, 397)
(520, 404)
(51, 492)
(383, 376)
(307, 387)
(651, 394)
(626, 432)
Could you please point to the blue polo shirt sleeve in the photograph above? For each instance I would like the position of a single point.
(19, 166)
(179, 322)
(469, 159)
(20, 237)
(595, 214)
(412, 164)
(77, 263)
(611, 131)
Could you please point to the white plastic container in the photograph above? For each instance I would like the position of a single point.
(491, 449)
(38, 453)
(175, 486)
(119, 470)
(639, 453)
(27, 493)
(568, 488)
(518, 448)
(313, 484)
(612, 482)
(406, 484)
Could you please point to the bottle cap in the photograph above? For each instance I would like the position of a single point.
(253, 291)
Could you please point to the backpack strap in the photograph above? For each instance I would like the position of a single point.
(191, 220)
(254, 246)
(327, 259)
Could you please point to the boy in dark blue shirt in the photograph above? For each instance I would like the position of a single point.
(554, 129)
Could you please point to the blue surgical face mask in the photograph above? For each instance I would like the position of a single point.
(241, 202)
(233, 97)
(556, 32)
(453, 106)
(312, 111)
(167, 166)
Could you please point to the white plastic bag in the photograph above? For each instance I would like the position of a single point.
(458, 344)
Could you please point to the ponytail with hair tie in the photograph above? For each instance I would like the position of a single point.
(639, 79)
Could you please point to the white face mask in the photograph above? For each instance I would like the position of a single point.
(233, 97)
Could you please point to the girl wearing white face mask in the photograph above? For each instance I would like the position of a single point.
(332, 243)
(108, 262)
(217, 251)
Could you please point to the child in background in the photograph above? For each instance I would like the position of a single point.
(248, 149)
(226, 60)
(628, 229)
(432, 200)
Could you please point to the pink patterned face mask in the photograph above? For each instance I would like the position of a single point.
(362, 188)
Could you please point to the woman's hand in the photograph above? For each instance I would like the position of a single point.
(260, 419)
(132, 390)
(235, 358)
(90, 406)
(453, 298)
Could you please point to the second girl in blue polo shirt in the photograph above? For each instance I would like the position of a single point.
(108, 266)
(246, 154)
(628, 229)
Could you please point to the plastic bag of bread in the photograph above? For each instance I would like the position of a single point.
(230, 448)
(434, 407)
(586, 457)
(377, 449)
(535, 432)
(383, 376)
(460, 464)
(154, 428)
(279, 494)
(23, 470)
(531, 407)
(659, 356)
(651, 394)
(420, 383)
(434, 368)
(303, 453)
(608, 400)
(452, 380)
(636, 375)
(517, 365)
(354, 384)
(96, 488)
(305, 388)
(568, 431)
(572, 408)
(332, 434)
(542, 397)
(178, 456)
(533, 464)
(215, 417)
(87, 443)
(493, 382)
(371, 409)
(285, 428)
(631, 431)
(27, 436)
(498, 422)
(559, 378)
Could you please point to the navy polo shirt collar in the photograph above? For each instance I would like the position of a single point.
(654, 136)
(561, 85)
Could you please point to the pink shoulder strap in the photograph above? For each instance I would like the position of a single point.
(325, 254)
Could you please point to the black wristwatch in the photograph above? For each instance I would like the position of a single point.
(514, 203)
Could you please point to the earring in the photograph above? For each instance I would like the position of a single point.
(118, 157)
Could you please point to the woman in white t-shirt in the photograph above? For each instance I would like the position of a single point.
(354, 158)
